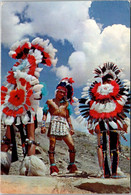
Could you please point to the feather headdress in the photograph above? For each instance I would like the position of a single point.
(67, 84)
(23, 90)
(106, 101)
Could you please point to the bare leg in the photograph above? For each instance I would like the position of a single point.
(31, 136)
(99, 152)
(5, 147)
(53, 168)
(52, 149)
(69, 141)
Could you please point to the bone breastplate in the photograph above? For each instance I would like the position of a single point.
(57, 109)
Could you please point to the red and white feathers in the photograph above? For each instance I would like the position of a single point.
(22, 90)
(107, 101)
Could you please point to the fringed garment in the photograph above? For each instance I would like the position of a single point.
(58, 126)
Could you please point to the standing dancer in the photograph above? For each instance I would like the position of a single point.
(59, 109)
(105, 109)
(21, 94)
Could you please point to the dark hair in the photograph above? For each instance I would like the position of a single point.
(107, 77)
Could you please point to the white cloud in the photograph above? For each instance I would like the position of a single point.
(69, 20)
(112, 44)
(57, 19)
(12, 29)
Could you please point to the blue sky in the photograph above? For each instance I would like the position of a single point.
(85, 33)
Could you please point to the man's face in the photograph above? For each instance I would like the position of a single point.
(60, 94)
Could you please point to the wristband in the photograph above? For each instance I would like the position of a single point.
(43, 124)
(70, 126)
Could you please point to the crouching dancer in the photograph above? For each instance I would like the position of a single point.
(60, 110)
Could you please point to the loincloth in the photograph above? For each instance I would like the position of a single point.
(58, 126)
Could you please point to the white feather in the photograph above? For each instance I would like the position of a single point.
(34, 82)
(38, 69)
(93, 106)
(99, 107)
(127, 121)
(34, 102)
(45, 43)
(37, 74)
(121, 102)
(35, 107)
(5, 159)
(85, 88)
(84, 92)
(52, 55)
(76, 109)
(95, 124)
(77, 112)
(113, 124)
(127, 83)
(109, 107)
(119, 122)
(37, 95)
(22, 42)
(11, 53)
(75, 99)
(25, 119)
(126, 92)
(87, 101)
(85, 124)
(84, 95)
(55, 50)
(37, 87)
(18, 121)
(9, 86)
(35, 41)
(9, 120)
(18, 74)
(3, 117)
(79, 119)
(6, 99)
(76, 104)
(39, 114)
(106, 126)
(37, 55)
(124, 97)
(89, 125)
(38, 61)
(33, 166)
(54, 61)
(15, 45)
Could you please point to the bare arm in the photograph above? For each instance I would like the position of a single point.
(70, 125)
(43, 127)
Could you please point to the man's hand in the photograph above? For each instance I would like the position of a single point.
(43, 130)
(72, 131)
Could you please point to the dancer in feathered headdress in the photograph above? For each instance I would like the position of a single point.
(105, 109)
(21, 94)
(60, 111)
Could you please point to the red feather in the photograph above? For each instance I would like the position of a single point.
(4, 89)
(48, 62)
(17, 97)
(20, 111)
(23, 81)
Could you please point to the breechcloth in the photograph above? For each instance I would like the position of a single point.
(58, 126)
(109, 168)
